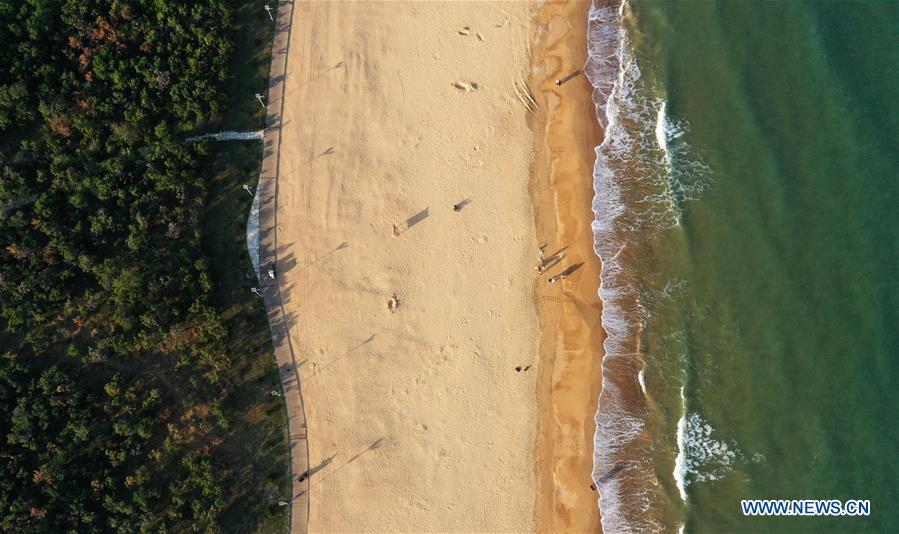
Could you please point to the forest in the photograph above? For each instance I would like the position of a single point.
(117, 367)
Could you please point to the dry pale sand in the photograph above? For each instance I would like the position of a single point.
(417, 419)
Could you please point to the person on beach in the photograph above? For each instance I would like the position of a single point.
(458, 207)
(557, 277)
(546, 263)
(540, 266)
(304, 476)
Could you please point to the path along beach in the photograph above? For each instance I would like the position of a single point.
(408, 317)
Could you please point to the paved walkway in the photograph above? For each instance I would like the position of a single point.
(18, 203)
(229, 136)
(267, 192)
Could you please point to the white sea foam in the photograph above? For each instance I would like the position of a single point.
(616, 429)
(705, 456)
(643, 176)
(700, 456)
(622, 430)
(662, 131)
(680, 469)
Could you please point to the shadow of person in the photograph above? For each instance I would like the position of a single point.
(324, 463)
(417, 218)
(571, 269)
(458, 207)
(376, 444)
(611, 474)
(555, 254)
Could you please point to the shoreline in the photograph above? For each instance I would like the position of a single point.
(570, 312)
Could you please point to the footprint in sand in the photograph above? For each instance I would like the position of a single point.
(466, 86)
(466, 30)
(393, 304)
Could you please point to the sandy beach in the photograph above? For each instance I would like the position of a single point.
(570, 313)
(409, 317)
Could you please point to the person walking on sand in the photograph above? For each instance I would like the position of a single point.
(304, 476)
(458, 207)
(546, 263)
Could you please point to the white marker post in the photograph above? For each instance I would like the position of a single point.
(259, 97)
(269, 11)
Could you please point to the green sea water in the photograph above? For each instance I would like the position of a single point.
(751, 276)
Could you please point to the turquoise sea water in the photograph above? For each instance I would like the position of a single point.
(748, 221)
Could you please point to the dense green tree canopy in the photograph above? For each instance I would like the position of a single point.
(110, 350)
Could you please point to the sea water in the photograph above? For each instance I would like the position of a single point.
(747, 218)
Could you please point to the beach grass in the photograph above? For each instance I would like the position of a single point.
(251, 60)
(255, 450)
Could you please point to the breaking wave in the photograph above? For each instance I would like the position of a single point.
(701, 456)
(644, 175)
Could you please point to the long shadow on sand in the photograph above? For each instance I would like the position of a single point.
(338, 358)
(374, 445)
